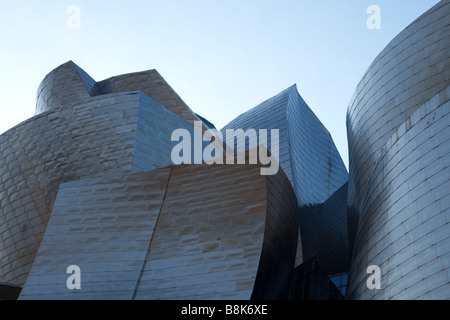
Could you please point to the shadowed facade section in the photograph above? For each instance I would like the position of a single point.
(324, 228)
(313, 166)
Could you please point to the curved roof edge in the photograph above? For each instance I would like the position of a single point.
(69, 83)
(392, 44)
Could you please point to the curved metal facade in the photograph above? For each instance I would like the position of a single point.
(76, 188)
(316, 171)
(90, 181)
(398, 134)
(307, 152)
(170, 233)
(73, 137)
(108, 135)
(69, 84)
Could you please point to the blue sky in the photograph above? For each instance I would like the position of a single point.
(221, 57)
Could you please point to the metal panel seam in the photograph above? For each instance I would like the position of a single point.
(138, 282)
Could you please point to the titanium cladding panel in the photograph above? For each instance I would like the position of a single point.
(74, 136)
(307, 152)
(404, 226)
(398, 133)
(166, 234)
(76, 189)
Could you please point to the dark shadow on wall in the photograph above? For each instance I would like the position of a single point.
(324, 231)
(310, 282)
(9, 291)
(323, 274)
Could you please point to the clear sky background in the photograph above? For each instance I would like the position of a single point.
(222, 57)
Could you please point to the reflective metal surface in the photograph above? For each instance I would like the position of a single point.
(308, 155)
(398, 144)
(90, 181)
(75, 190)
(163, 234)
(310, 159)
(100, 136)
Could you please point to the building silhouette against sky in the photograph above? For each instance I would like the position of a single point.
(89, 181)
